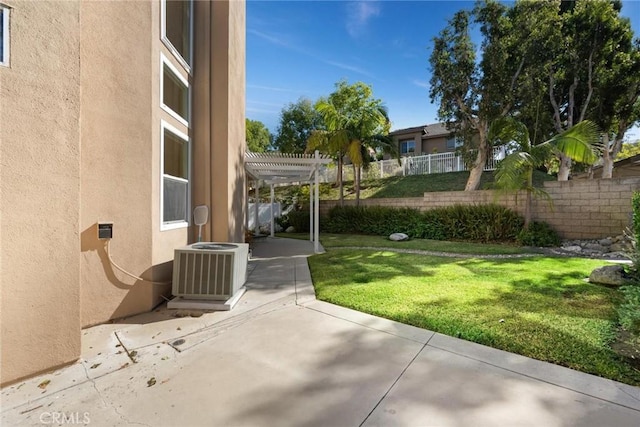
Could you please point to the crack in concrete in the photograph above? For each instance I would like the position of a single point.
(105, 403)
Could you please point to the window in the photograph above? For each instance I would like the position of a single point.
(408, 146)
(4, 36)
(453, 143)
(174, 92)
(175, 178)
(176, 28)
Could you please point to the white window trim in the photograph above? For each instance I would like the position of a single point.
(167, 42)
(172, 225)
(165, 61)
(5, 35)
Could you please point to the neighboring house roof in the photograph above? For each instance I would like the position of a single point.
(428, 131)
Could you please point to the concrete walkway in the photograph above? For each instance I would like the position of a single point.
(281, 358)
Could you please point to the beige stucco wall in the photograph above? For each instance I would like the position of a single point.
(219, 119)
(81, 124)
(40, 189)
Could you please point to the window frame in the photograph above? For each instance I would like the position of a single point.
(457, 143)
(172, 225)
(174, 70)
(6, 34)
(407, 142)
(167, 42)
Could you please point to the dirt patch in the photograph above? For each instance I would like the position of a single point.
(627, 345)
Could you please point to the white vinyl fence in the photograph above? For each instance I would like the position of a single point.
(415, 165)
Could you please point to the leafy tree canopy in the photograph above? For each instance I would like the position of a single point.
(258, 136)
(297, 121)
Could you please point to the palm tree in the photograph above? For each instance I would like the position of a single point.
(354, 121)
(515, 171)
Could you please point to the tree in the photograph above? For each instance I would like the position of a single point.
(354, 121)
(628, 150)
(297, 122)
(515, 172)
(258, 136)
(592, 71)
(472, 94)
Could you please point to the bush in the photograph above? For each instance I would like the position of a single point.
(481, 223)
(629, 310)
(538, 234)
(299, 220)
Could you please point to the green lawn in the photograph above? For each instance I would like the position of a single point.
(539, 307)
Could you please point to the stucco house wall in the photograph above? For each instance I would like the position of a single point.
(81, 129)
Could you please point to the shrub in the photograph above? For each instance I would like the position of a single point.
(299, 220)
(629, 310)
(481, 223)
(538, 234)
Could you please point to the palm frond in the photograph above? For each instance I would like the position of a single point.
(512, 171)
(580, 142)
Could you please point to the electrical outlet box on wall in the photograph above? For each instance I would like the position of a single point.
(105, 230)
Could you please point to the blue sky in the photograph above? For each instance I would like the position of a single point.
(302, 48)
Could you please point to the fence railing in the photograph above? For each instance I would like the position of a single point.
(415, 165)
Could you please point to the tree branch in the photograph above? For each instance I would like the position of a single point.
(590, 83)
(572, 102)
(554, 104)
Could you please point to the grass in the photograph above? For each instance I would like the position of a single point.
(537, 307)
(349, 240)
(401, 186)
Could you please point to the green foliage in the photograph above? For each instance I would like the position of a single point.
(480, 223)
(299, 220)
(629, 309)
(297, 122)
(629, 150)
(258, 136)
(635, 205)
(538, 234)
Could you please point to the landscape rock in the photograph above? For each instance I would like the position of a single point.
(605, 242)
(398, 237)
(612, 275)
(290, 229)
(594, 247)
(572, 248)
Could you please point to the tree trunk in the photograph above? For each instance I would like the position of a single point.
(475, 174)
(340, 184)
(527, 201)
(565, 168)
(356, 183)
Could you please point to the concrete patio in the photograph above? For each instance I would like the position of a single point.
(281, 358)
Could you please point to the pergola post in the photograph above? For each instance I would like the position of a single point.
(273, 196)
(310, 210)
(246, 216)
(256, 205)
(316, 217)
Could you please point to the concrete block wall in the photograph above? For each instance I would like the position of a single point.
(588, 209)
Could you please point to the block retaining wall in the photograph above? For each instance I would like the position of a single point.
(589, 209)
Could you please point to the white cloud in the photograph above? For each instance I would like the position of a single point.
(358, 16)
(274, 89)
(350, 68)
(421, 84)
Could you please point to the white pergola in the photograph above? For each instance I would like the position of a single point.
(282, 168)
